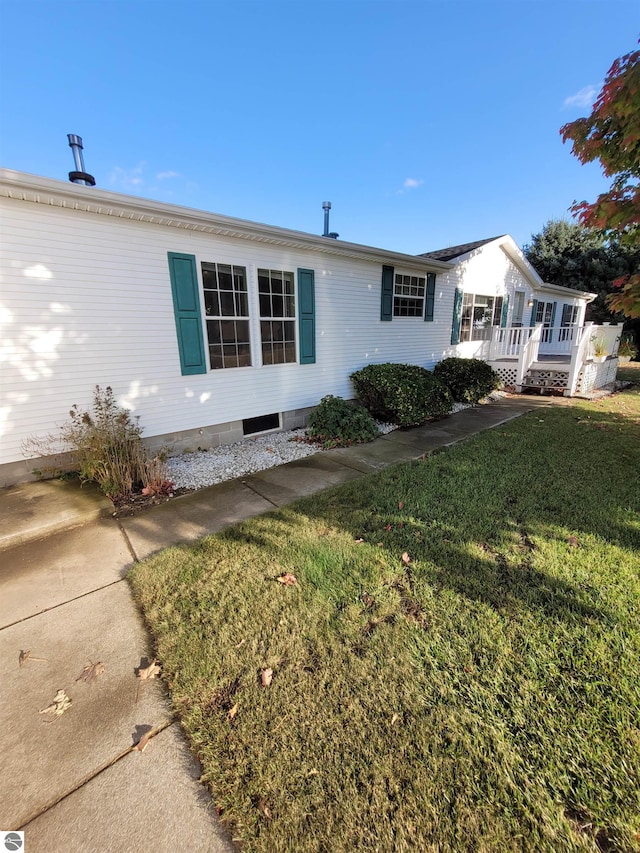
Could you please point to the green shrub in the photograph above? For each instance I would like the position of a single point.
(336, 423)
(468, 379)
(403, 394)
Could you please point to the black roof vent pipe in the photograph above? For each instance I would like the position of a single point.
(326, 206)
(79, 176)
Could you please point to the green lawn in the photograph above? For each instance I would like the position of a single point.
(483, 696)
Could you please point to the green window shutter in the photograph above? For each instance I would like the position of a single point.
(505, 312)
(186, 308)
(386, 303)
(457, 317)
(307, 316)
(430, 296)
(534, 310)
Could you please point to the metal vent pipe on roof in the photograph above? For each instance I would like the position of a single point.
(79, 176)
(326, 206)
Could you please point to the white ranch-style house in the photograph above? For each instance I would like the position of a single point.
(211, 328)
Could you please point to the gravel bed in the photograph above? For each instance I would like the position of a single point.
(203, 468)
(207, 467)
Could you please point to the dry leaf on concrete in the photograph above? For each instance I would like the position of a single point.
(266, 677)
(91, 672)
(146, 673)
(23, 657)
(287, 579)
(61, 703)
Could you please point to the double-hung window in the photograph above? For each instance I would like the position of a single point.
(569, 315)
(275, 308)
(479, 314)
(408, 295)
(276, 289)
(568, 321)
(226, 305)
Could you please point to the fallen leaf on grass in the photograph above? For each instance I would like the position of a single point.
(287, 579)
(61, 703)
(406, 559)
(264, 808)
(387, 527)
(232, 713)
(23, 657)
(146, 673)
(395, 719)
(266, 677)
(573, 540)
(358, 541)
(400, 504)
(91, 672)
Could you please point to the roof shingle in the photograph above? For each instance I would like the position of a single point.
(452, 252)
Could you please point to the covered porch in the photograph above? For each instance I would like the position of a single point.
(571, 359)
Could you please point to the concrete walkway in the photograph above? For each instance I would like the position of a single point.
(74, 781)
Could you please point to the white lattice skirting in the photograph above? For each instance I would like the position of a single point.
(507, 374)
(594, 376)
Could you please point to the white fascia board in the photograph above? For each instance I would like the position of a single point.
(515, 253)
(559, 290)
(32, 188)
(517, 256)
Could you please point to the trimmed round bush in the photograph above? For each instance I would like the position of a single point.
(468, 379)
(336, 423)
(403, 394)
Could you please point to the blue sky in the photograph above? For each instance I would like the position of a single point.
(426, 124)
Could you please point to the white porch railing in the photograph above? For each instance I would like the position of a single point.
(560, 340)
(508, 342)
(528, 354)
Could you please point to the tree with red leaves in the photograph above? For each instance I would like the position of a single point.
(611, 134)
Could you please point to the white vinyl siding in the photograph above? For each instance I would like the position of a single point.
(86, 300)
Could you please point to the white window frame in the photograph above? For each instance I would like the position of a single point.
(291, 319)
(409, 292)
(480, 330)
(218, 317)
(517, 318)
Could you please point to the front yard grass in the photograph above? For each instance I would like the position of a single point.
(481, 694)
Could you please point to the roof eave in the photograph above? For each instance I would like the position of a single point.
(568, 291)
(33, 188)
